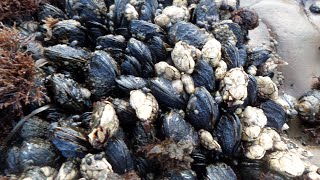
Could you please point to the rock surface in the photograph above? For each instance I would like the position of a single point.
(297, 37)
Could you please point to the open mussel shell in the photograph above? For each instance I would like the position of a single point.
(142, 53)
(143, 30)
(166, 95)
(275, 114)
(221, 171)
(101, 73)
(119, 156)
(176, 128)
(187, 32)
(128, 83)
(71, 142)
(228, 132)
(202, 111)
(203, 75)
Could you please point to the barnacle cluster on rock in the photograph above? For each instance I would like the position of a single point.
(147, 89)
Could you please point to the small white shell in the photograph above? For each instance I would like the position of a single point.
(167, 71)
(130, 12)
(221, 70)
(188, 83)
(145, 105)
(97, 168)
(211, 52)
(182, 56)
(207, 141)
(267, 89)
(104, 124)
(255, 152)
(253, 116)
(286, 163)
(234, 86)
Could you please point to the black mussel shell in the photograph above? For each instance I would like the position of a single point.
(34, 128)
(67, 58)
(180, 175)
(202, 111)
(86, 10)
(131, 66)
(101, 73)
(221, 171)
(95, 30)
(228, 132)
(258, 56)
(33, 152)
(143, 30)
(143, 54)
(119, 156)
(206, 13)
(157, 48)
(252, 90)
(68, 93)
(203, 75)
(71, 142)
(166, 95)
(126, 114)
(47, 10)
(70, 32)
(187, 32)
(176, 128)
(276, 115)
(231, 55)
(115, 45)
(128, 83)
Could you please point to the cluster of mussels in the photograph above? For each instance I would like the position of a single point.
(147, 89)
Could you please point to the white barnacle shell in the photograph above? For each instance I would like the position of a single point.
(207, 140)
(234, 86)
(162, 20)
(254, 152)
(221, 70)
(145, 105)
(167, 71)
(171, 15)
(267, 89)
(92, 167)
(68, 170)
(253, 116)
(104, 123)
(188, 83)
(183, 56)
(130, 12)
(286, 163)
(211, 52)
(250, 133)
(180, 3)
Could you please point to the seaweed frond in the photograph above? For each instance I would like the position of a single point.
(17, 72)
